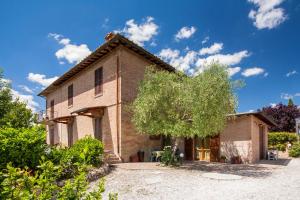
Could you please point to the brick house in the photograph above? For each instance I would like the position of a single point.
(92, 97)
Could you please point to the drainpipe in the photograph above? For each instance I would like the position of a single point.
(117, 103)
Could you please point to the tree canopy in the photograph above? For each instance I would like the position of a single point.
(284, 116)
(174, 104)
(13, 112)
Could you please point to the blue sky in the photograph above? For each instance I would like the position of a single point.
(258, 39)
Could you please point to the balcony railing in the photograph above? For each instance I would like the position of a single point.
(44, 115)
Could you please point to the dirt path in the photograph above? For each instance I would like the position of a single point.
(206, 181)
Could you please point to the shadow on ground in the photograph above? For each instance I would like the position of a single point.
(260, 170)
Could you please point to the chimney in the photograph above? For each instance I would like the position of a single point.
(109, 36)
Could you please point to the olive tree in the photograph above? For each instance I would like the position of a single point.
(177, 105)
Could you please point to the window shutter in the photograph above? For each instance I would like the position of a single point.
(70, 95)
(98, 81)
(52, 109)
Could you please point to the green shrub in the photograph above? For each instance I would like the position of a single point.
(279, 140)
(21, 184)
(86, 151)
(22, 147)
(168, 158)
(295, 150)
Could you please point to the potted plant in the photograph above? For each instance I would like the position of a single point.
(223, 159)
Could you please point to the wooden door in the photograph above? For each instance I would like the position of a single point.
(70, 134)
(215, 148)
(261, 142)
(98, 128)
(188, 148)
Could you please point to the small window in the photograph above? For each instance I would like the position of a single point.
(70, 95)
(98, 81)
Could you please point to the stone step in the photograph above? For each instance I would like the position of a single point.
(111, 158)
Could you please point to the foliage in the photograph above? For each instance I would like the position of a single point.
(168, 157)
(86, 151)
(22, 147)
(21, 184)
(13, 113)
(19, 116)
(290, 102)
(295, 150)
(279, 140)
(284, 116)
(176, 105)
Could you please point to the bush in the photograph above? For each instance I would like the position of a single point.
(279, 140)
(295, 150)
(20, 184)
(168, 158)
(22, 147)
(86, 151)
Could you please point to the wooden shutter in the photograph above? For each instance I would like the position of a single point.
(70, 95)
(52, 109)
(98, 81)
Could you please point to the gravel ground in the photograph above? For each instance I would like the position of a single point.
(205, 181)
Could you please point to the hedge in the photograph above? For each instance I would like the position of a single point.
(279, 140)
(22, 147)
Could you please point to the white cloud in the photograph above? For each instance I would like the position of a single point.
(41, 79)
(233, 70)
(191, 61)
(182, 63)
(185, 32)
(28, 99)
(5, 81)
(291, 73)
(225, 59)
(105, 23)
(213, 49)
(26, 89)
(70, 52)
(140, 33)
(253, 71)
(286, 96)
(205, 40)
(297, 95)
(273, 105)
(266, 74)
(250, 111)
(267, 15)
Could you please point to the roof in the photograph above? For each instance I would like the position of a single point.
(259, 115)
(101, 51)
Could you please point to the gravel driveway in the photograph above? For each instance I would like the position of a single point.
(205, 181)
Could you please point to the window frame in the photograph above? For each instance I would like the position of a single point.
(70, 96)
(98, 81)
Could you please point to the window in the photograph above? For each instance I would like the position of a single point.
(98, 81)
(70, 95)
(52, 109)
(98, 128)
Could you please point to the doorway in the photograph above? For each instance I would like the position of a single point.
(70, 134)
(261, 142)
(98, 128)
(189, 148)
